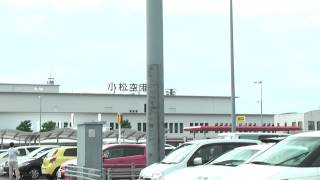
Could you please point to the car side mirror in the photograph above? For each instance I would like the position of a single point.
(197, 161)
(104, 157)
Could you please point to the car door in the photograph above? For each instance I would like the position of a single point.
(134, 155)
(111, 157)
(68, 154)
(124, 156)
(206, 153)
(212, 151)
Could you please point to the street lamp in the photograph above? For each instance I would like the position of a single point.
(233, 103)
(261, 117)
(40, 113)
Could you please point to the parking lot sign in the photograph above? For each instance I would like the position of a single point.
(241, 118)
(119, 118)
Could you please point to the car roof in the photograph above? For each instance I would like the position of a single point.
(209, 141)
(31, 146)
(66, 147)
(123, 144)
(307, 134)
(252, 133)
(256, 147)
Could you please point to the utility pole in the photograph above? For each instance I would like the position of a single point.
(40, 114)
(155, 90)
(261, 114)
(233, 106)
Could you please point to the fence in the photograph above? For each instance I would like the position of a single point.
(83, 173)
(124, 171)
(115, 171)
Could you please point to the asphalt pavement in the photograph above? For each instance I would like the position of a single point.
(6, 178)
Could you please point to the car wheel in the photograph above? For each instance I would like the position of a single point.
(35, 173)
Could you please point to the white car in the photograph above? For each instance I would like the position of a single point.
(23, 151)
(190, 154)
(294, 158)
(222, 165)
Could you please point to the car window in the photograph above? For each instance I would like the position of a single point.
(179, 154)
(40, 152)
(113, 152)
(234, 157)
(70, 152)
(132, 151)
(22, 152)
(206, 153)
(212, 151)
(30, 149)
(52, 153)
(294, 152)
(316, 162)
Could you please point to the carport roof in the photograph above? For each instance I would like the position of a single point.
(65, 133)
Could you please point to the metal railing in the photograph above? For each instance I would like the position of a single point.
(124, 171)
(115, 171)
(83, 173)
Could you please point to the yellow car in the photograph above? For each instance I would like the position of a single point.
(55, 158)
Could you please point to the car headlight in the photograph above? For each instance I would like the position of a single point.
(157, 176)
(201, 178)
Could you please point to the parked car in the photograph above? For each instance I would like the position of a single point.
(55, 158)
(34, 168)
(252, 135)
(296, 157)
(117, 156)
(31, 166)
(192, 154)
(214, 170)
(23, 151)
(38, 151)
(62, 170)
(168, 148)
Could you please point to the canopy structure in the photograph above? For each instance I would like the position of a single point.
(63, 133)
(243, 128)
(125, 134)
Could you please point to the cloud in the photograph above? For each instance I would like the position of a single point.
(184, 7)
(28, 24)
(241, 7)
(63, 5)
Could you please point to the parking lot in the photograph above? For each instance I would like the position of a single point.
(6, 178)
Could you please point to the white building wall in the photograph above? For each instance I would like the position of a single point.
(184, 104)
(42, 88)
(312, 120)
(180, 111)
(290, 119)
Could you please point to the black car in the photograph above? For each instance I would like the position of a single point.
(30, 167)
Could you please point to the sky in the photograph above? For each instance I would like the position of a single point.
(88, 44)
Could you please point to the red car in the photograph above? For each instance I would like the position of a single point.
(116, 156)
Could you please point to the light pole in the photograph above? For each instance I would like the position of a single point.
(40, 113)
(233, 106)
(261, 116)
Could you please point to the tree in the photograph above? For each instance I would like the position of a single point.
(24, 126)
(125, 124)
(48, 126)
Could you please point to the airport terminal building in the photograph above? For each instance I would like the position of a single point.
(44, 102)
(308, 121)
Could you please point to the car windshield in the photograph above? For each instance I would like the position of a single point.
(3, 155)
(289, 152)
(42, 154)
(36, 152)
(178, 154)
(234, 157)
(52, 152)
